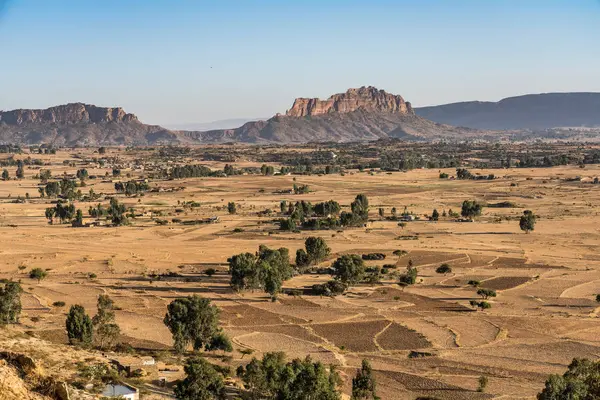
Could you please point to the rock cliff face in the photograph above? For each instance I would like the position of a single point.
(364, 98)
(67, 114)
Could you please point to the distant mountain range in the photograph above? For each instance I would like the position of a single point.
(532, 111)
(213, 125)
(362, 114)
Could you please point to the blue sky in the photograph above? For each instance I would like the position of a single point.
(181, 61)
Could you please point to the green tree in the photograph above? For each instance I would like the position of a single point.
(192, 320)
(483, 382)
(302, 260)
(201, 382)
(444, 269)
(5, 175)
(482, 305)
(470, 209)
(410, 276)
(579, 382)
(231, 207)
(107, 330)
(79, 326)
(363, 384)
(283, 206)
(219, 341)
(266, 270)
(38, 273)
(243, 271)
(316, 249)
(78, 221)
(10, 303)
(435, 215)
(349, 268)
(20, 174)
(527, 221)
(360, 207)
(116, 212)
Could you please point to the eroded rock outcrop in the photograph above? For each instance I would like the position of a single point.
(73, 113)
(365, 98)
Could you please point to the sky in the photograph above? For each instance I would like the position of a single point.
(177, 62)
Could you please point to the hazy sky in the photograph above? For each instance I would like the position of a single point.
(195, 61)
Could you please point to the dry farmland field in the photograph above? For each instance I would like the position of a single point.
(422, 340)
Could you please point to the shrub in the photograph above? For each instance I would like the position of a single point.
(444, 269)
(373, 256)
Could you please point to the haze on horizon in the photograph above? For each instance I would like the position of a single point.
(184, 62)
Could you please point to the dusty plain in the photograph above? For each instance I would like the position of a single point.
(545, 313)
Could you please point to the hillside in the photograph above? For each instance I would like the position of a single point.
(362, 114)
(78, 124)
(534, 111)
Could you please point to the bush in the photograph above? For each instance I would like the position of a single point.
(331, 288)
(373, 256)
(58, 304)
(444, 269)
(486, 293)
(38, 273)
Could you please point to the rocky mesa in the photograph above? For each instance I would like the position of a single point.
(73, 113)
(365, 98)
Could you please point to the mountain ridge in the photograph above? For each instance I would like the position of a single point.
(530, 111)
(361, 114)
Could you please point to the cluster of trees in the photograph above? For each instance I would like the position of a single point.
(10, 148)
(463, 173)
(267, 170)
(528, 161)
(404, 161)
(191, 171)
(10, 303)
(65, 212)
(267, 269)
(81, 328)
(132, 187)
(410, 276)
(320, 216)
(273, 378)
(471, 208)
(116, 212)
(359, 214)
(65, 188)
(581, 381)
(194, 321)
(300, 189)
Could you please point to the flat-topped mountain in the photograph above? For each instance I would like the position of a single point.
(368, 99)
(532, 111)
(362, 114)
(73, 113)
(78, 124)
